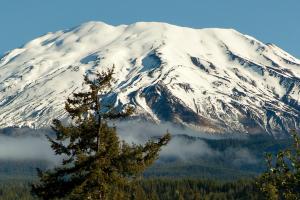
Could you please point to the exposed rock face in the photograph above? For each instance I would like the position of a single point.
(215, 80)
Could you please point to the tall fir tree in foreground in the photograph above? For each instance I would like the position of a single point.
(96, 164)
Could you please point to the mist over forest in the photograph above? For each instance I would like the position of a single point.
(187, 148)
(186, 144)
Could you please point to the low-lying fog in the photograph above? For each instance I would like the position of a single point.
(29, 144)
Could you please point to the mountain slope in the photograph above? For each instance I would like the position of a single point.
(214, 80)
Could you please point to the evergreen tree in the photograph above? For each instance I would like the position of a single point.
(96, 164)
(282, 180)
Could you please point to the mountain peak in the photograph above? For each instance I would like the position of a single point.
(215, 80)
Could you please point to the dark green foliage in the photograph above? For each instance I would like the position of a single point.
(205, 170)
(15, 190)
(96, 164)
(196, 189)
(159, 189)
(282, 179)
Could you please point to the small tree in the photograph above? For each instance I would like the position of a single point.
(282, 180)
(96, 164)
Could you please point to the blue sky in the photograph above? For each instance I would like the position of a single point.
(272, 21)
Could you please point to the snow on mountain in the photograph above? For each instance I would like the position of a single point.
(214, 80)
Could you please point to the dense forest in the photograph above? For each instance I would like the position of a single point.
(158, 189)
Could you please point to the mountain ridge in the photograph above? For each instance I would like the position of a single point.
(214, 80)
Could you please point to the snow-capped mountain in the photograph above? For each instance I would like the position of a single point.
(214, 80)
